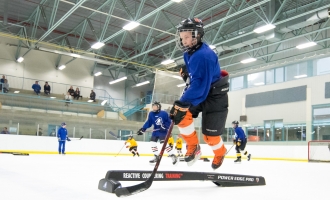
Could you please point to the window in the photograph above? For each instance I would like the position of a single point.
(274, 130)
(269, 76)
(237, 83)
(296, 71)
(256, 79)
(322, 66)
(321, 123)
(279, 75)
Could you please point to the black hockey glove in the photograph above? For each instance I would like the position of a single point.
(141, 131)
(68, 139)
(179, 111)
(184, 73)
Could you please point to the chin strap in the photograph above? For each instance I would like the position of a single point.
(194, 48)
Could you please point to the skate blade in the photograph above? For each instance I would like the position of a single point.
(197, 157)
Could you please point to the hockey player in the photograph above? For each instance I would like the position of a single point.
(161, 122)
(170, 143)
(240, 142)
(132, 146)
(62, 135)
(205, 92)
(178, 146)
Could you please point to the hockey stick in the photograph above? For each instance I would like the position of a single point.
(113, 135)
(127, 191)
(230, 149)
(77, 138)
(119, 151)
(16, 153)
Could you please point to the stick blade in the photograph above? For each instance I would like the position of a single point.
(128, 191)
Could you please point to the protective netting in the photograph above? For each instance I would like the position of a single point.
(168, 87)
(319, 151)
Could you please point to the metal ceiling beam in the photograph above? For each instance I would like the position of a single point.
(121, 44)
(279, 42)
(35, 23)
(83, 21)
(126, 9)
(53, 15)
(146, 42)
(82, 33)
(222, 24)
(64, 17)
(140, 20)
(207, 26)
(5, 12)
(277, 52)
(138, 13)
(192, 12)
(107, 20)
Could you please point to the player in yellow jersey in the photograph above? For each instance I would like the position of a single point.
(170, 143)
(132, 145)
(178, 146)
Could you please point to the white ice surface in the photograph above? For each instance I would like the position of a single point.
(72, 177)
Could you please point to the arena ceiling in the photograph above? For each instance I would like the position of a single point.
(73, 26)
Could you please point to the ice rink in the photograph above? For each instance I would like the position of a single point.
(73, 177)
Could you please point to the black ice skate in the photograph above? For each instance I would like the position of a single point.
(193, 153)
(174, 159)
(217, 162)
(249, 157)
(238, 160)
(154, 160)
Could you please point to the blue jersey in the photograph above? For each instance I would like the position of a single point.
(62, 134)
(239, 134)
(158, 119)
(204, 69)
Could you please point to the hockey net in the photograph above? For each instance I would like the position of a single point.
(319, 151)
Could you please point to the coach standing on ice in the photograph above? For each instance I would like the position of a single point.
(62, 136)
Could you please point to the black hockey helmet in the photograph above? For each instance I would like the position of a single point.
(235, 122)
(159, 106)
(195, 26)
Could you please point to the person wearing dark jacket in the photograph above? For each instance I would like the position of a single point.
(36, 88)
(47, 89)
(71, 91)
(62, 135)
(92, 95)
(77, 94)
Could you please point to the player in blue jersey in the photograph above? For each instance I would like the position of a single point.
(161, 122)
(205, 92)
(240, 142)
(62, 135)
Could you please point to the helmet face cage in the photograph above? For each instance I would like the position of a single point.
(235, 122)
(159, 107)
(195, 26)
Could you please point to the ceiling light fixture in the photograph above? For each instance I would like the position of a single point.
(248, 60)
(131, 25)
(177, 1)
(306, 45)
(118, 80)
(166, 62)
(16, 92)
(61, 67)
(20, 59)
(264, 28)
(97, 73)
(97, 45)
(143, 83)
